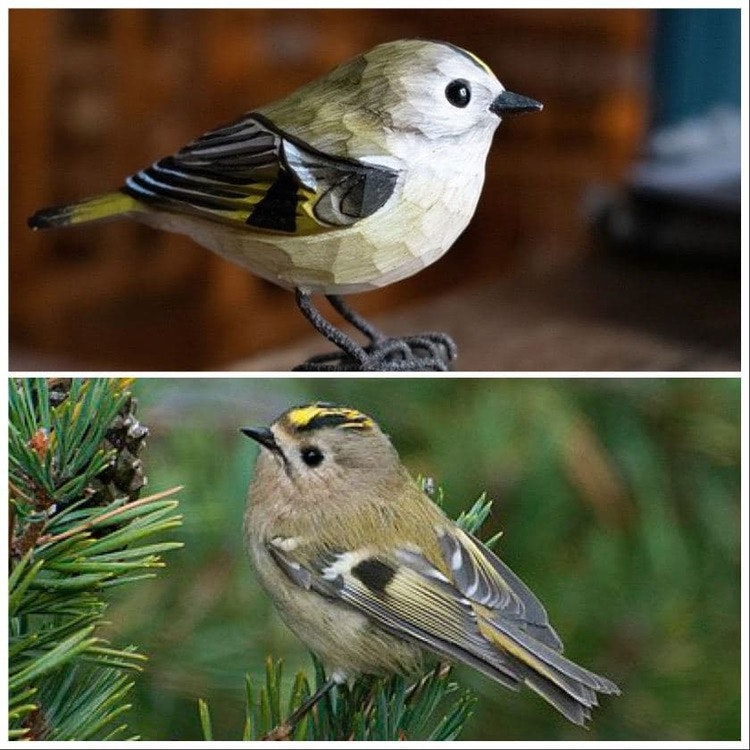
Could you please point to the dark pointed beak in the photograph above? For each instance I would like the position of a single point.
(509, 103)
(264, 436)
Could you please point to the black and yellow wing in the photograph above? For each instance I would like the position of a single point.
(480, 613)
(250, 173)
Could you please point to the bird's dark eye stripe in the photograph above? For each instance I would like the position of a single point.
(376, 575)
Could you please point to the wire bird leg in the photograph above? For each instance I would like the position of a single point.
(426, 351)
(284, 730)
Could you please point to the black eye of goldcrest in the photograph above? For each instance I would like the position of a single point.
(458, 92)
(311, 455)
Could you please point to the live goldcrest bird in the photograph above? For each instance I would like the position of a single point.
(354, 181)
(369, 572)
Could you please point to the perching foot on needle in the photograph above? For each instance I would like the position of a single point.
(432, 351)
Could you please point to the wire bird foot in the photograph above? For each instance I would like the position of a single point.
(425, 352)
(433, 351)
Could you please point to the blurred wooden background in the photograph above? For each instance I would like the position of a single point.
(97, 94)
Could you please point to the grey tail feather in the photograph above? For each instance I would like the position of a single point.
(571, 708)
(555, 660)
(568, 687)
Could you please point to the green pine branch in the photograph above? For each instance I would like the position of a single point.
(430, 707)
(68, 545)
(427, 707)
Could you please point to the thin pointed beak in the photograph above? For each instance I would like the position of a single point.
(509, 103)
(263, 436)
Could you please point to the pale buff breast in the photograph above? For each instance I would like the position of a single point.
(417, 226)
(343, 639)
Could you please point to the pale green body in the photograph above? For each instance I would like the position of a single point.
(386, 110)
(416, 227)
(386, 107)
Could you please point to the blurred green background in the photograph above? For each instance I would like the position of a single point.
(619, 503)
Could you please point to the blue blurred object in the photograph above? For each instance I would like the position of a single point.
(696, 161)
(682, 200)
(696, 63)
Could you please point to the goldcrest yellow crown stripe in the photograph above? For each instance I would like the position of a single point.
(479, 63)
(321, 415)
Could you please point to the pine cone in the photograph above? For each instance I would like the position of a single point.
(124, 475)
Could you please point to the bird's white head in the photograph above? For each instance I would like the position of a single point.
(436, 90)
(402, 99)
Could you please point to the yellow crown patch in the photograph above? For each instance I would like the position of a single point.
(318, 415)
